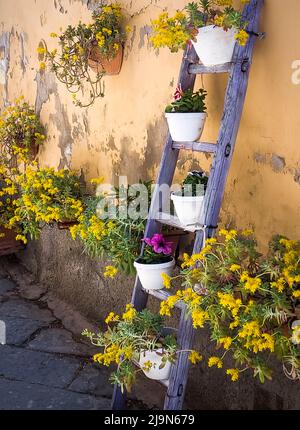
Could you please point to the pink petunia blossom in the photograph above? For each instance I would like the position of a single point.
(159, 244)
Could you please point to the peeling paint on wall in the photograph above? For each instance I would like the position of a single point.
(4, 64)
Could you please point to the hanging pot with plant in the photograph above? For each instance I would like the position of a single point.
(100, 63)
(88, 52)
(188, 202)
(21, 135)
(137, 342)
(156, 260)
(186, 116)
(212, 26)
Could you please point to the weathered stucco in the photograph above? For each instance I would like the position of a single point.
(123, 134)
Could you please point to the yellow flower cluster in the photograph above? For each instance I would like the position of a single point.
(113, 354)
(255, 339)
(112, 317)
(250, 284)
(215, 361)
(242, 37)
(234, 373)
(188, 296)
(110, 272)
(171, 32)
(228, 301)
(130, 313)
(226, 342)
(229, 234)
(166, 280)
(195, 357)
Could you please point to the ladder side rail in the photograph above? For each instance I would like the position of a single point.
(234, 100)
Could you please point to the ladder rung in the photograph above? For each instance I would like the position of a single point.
(196, 146)
(173, 221)
(201, 69)
(163, 295)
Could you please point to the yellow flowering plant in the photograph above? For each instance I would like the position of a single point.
(43, 196)
(21, 133)
(70, 62)
(175, 31)
(116, 237)
(250, 302)
(127, 337)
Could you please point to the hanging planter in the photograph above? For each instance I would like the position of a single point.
(212, 27)
(97, 46)
(99, 63)
(8, 242)
(214, 45)
(188, 202)
(186, 116)
(160, 369)
(144, 342)
(150, 275)
(188, 208)
(155, 261)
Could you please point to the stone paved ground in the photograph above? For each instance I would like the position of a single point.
(44, 364)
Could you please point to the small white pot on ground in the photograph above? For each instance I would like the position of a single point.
(188, 208)
(214, 45)
(150, 274)
(186, 127)
(155, 372)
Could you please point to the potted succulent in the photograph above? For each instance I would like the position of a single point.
(156, 260)
(188, 202)
(137, 342)
(212, 26)
(87, 52)
(246, 300)
(186, 115)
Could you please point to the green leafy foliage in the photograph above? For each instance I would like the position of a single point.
(189, 102)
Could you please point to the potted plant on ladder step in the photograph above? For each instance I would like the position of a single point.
(156, 260)
(188, 202)
(186, 116)
(144, 344)
(211, 26)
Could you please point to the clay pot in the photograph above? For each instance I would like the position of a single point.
(8, 243)
(100, 64)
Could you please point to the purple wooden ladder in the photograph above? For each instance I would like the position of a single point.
(238, 70)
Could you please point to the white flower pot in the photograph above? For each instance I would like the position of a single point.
(150, 274)
(214, 45)
(155, 372)
(186, 127)
(188, 208)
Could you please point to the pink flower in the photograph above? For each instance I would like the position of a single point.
(178, 93)
(159, 244)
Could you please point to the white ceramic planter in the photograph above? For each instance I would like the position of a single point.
(150, 274)
(186, 127)
(214, 45)
(155, 372)
(188, 208)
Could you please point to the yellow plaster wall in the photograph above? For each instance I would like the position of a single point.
(123, 133)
